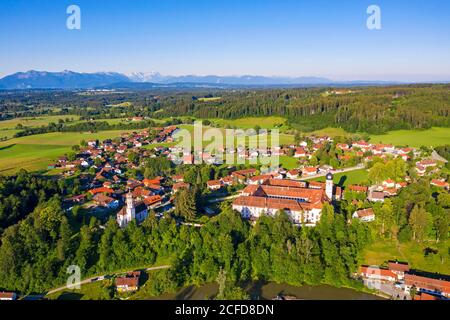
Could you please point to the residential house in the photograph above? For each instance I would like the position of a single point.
(365, 215)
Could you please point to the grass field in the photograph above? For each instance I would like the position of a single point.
(247, 123)
(211, 99)
(33, 122)
(346, 178)
(7, 133)
(331, 132)
(384, 250)
(34, 153)
(415, 138)
(92, 291)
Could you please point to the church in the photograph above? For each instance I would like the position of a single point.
(131, 211)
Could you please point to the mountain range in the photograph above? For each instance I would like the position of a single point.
(112, 80)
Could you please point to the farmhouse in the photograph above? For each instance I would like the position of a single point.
(128, 283)
(8, 295)
(379, 274)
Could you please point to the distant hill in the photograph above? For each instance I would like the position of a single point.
(60, 80)
(112, 80)
(156, 77)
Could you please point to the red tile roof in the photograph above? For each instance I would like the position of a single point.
(427, 283)
(101, 190)
(357, 188)
(377, 271)
(398, 266)
(365, 213)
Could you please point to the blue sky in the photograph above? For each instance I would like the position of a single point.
(227, 37)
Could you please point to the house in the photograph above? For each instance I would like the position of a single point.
(343, 146)
(389, 183)
(293, 174)
(128, 283)
(421, 170)
(6, 295)
(214, 184)
(357, 188)
(180, 185)
(309, 171)
(427, 163)
(153, 201)
(300, 153)
(178, 178)
(259, 179)
(399, 268)
(245, 172)
(378, 274)
(228, 181)
(426, 283)
(376, 196)
(439, 183)
(101, 190)
(365, 215)
(105, 201)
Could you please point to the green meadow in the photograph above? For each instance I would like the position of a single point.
(415, 138)
(346, 178)
(251, 122)
(381, 251)
(33, 122)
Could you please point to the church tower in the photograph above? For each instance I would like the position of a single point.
(131, 210)
(329, 186)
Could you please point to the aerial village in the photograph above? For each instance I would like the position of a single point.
(106, 187)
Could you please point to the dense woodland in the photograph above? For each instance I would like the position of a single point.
(362, 109)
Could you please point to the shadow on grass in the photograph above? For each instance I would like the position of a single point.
(342, 181)
(7, 147)
(67, 295)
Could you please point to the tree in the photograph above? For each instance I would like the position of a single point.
(185, 205)
(377, 173)
(419, 220)
(385, 217)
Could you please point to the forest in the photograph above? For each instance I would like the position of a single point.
(373, 110)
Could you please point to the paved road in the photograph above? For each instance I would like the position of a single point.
(223, 198)
(102, 277)
(437, 157)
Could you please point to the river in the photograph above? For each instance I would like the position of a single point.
(267, 291)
